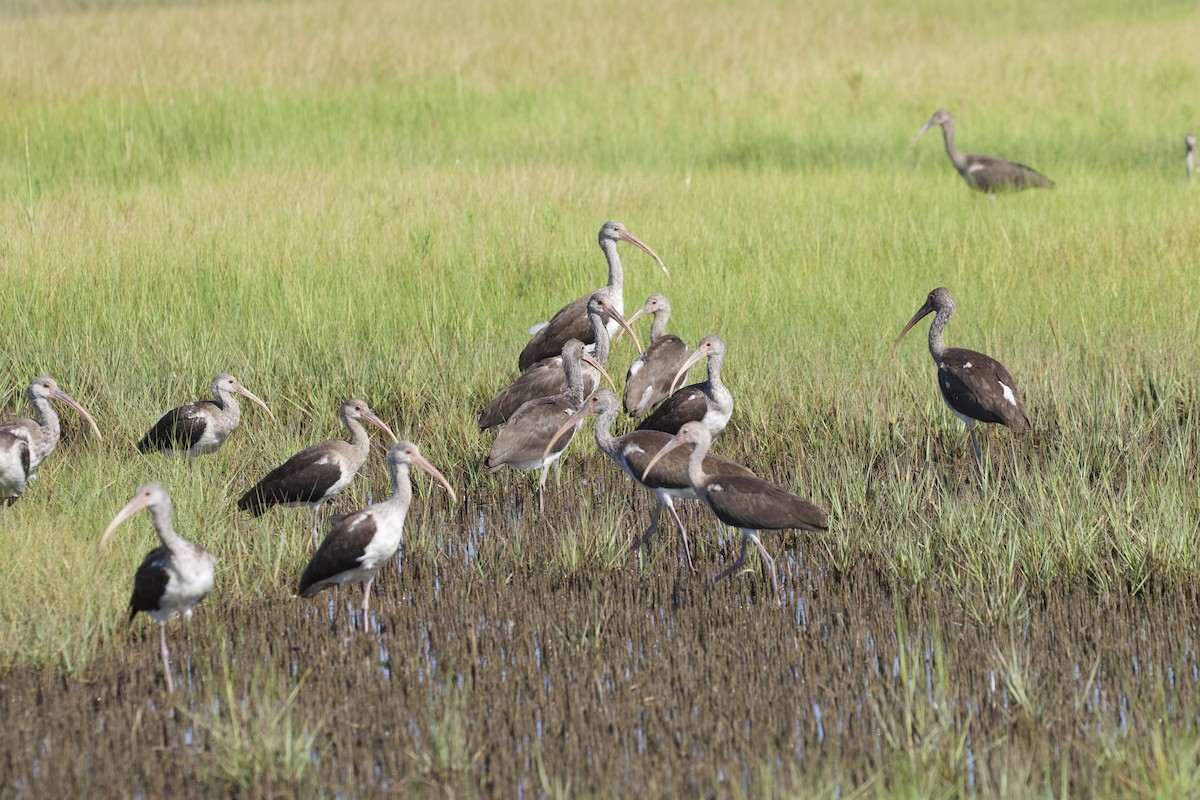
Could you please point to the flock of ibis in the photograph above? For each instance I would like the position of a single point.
(557, 387)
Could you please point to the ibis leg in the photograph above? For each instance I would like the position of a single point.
(653, 529)
(687, 548)
(366, 605)
(770, 562)
(162, 645)
(542, 489)
(741, 559)
(978, 454)
(315, 534)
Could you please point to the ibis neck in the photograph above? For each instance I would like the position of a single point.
(696, 465)
(958, 158)
(401, 487)
(715, 361)
(616, 275)
(600, 334)
(229, 405)
(573, 367)
(47, 416)
(658, 328)
(359, 440)
(937, 347)
(160, 516)
(604, 437)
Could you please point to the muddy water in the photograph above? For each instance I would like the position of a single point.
(472, 680)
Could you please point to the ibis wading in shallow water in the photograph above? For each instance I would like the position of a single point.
(546, 378)
(977, 388)
(652, 373)
(172, 578)
(14, 467)
(988, 174)
(42, 434)
(358, 544)
(200, 427)
(571, 321)
(317, 473)
(743, 501)
(633, 452)
(707, 402)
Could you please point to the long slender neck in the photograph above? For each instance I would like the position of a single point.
(359, 440)
(47, 416)
(937, 348)
(616, 275)
(573, 368)
(160, 516)
(604, 437)
(715, 360)
(600, 334)
(229, 404)
(958, 158)
(658, 328)
(401, 487)
(696, 464)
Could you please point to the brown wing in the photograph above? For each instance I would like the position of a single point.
(570, 322)
(524, 438)
(150, 582)
(993, 174)
(649, 379)
(670, 472)
(761, 505)
(689, 404)
(178, 429)
(300, 479)
(341, 551)
(543, 379)
(979, 387)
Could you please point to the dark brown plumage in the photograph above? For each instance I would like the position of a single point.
(202, 426)
(649, 379)
(988, 174)
(708, 402)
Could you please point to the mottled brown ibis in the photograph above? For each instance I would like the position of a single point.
(988, 174)
(708, 402)
(650, 376)
(200, 427)
(42, 434)
(14, 467)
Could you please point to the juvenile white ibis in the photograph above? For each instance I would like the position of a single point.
(200, 427)
(42, 434)
(708, 402)
(546, 377)
(172, 578)
(1189, 159)
(649, 380)
(745, 502)
(571, 320)
(988, 174)
(317, 473)
(14, 468)
(522, 442)
(633, 452)
(977, 388)
(358, 544)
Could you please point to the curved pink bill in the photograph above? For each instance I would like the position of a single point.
(699, 355)
(244, 392)
(589, 359)
(370, 417)
(921, 132)
(677, 441)
(625, 328)
(636, 242)
(59, 394)
(424, 464)
(917, 317)
(132, 507)
(570, 424)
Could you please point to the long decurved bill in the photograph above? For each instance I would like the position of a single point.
(615, 315)
(570, 424)
(132, 507)
(244, 392)
(370, 417)
(59, 394)
(678, 440)
(683, 371)
(921, 313)
(636, 242)
(424, 464)
(589, 359)
(921, 132)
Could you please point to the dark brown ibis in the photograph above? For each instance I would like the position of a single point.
(546, 377)
(15, 468)
(1189, 158)
(632, 453)
(202, 426)
(42, 434)
(649, 379)
(359, 544)
(977, 388)
(708, 402)
(748, 503)
(571, 321)
(173, 578)
(988, 174)
(522, 441)
(320, 472)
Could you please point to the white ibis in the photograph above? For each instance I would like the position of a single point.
(42, 434)
(988, 174)
(741, 501)
(200, 427)
(632, 453)
(317, 473)
(649, 380)
(546, 378)
(571, 320)
(14, 468)
(1189, 160)
(172, 578)
(522, 442)
(708, 402)
(358, 544)
(977, 388)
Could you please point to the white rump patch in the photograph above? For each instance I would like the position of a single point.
(967, 365)
(1008, 393)
(974, 168)
(534, 330)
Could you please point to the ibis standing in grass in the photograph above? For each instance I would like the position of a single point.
(546, 378)
(668, 480)
(14, 468)
(43, 433)
(358, 544)
(745, 502)
(977, 388)
(320, 472)
(571, 321)
(173, 578)
(1189, 158)
(651, 374)
(708, 402)
(202, 426)
(988, 174)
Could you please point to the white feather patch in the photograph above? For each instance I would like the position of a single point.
(1008, 393)
(534, 330)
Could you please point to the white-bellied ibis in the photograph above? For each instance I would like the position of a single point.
(708, 402)
(988, 174)
(172, 578)
(522, 441)
(202, 426)
(546, 377)
(42, 434)
(317, 473)
(1189, 158)
(358, 544)
(571, 320)
(748, 503)
(977, 388)
(14, 468)
(649, 380)
(633, 452)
